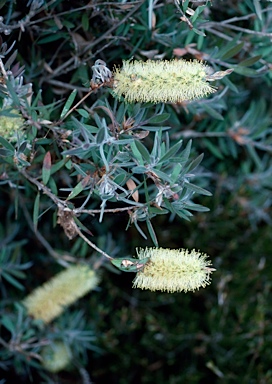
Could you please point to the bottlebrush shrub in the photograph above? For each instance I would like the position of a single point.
(161, 81)
(173, 270)
(49, 301)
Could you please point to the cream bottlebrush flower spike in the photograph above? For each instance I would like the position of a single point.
(173, 270)
(49, 301)
(161, 81)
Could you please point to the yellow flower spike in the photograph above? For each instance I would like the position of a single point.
(173, 270)
(56, 356)
(50, 300)
(161, 81)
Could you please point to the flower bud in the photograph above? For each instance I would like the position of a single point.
(161, 81)
(173, 270)
(49, 301)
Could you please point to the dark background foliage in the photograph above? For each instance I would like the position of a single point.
(220, 334)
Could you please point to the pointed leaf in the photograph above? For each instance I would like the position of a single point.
(152, 233)
(79, 187)
(197, 189)
(246, 71)
(250, 61)
(6, 144)
(212, 112)
(194, 163)
(142, 149)
(12, 281)
(46, 169)
(258, 9)
(36, 211)
(171, 153)
(13, 94)
(233, 51)
(137, 153)
(159, 118)
(68, 103)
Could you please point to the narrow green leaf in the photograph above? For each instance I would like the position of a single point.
(196, 14)
(157, 211)
(17, 273)
(13, 94)
(139, 230)
(53, 186)
(186, 152)
(185, 5)
(197, 189)
(6, 144)
(12, 281)
(163, 175)
(196, 207)
(258, 9)
(8, 324)
(36, 211)
(212, 112)
(233, 51)
(171, 153)
(68, 103)
(213, 148)
(198, 32)
(85, 21)
(176, 171)
(46, 169)
(83, 112)
(245, 71)
(57, 166)
(79, 187)
(52, 37)
(194, 163)
(184, 214)
(226, 47)
(142, 149)
(250, 61)
(140, 169)
(137, 153)
(152, 233)
(159, 118)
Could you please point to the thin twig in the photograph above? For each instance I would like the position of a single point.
(77, 104)
(92, 245)
(68, 86)
(62, 259)
(98, 40)
(109, 210)
(57, 201)
(42, 187)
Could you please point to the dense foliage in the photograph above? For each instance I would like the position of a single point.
(86, 177)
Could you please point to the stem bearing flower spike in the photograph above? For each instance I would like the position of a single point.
(129, 264)
(50, 300)
(162, 81)
(173, 270)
